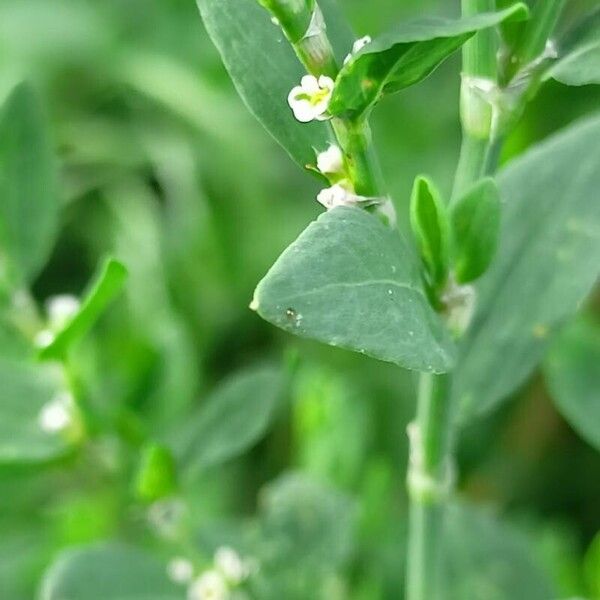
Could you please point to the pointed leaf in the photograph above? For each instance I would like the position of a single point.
(580, 67)
(106, 285)
(572, 371)
(352, 282)
(431, 229)
(547, 262)
(28, 195)
(232, 419)
(475, 228)
(404, 56)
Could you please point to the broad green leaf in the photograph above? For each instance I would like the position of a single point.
(264, 68)
(28, 194)
(108, 571)
(475, 226)
(581, 66)
(430, 226)
(547, 263)
(107, 284)
(489, 559)
(404, 56)
(231, 420)
(572, 371)
(352, 282)
(24, 392)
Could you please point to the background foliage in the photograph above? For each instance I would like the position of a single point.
(285, 449)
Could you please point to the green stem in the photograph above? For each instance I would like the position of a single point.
(538, 30)
(429, 484)
(471, 163)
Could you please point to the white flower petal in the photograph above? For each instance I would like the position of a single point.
(304, 111)
(180, 570)
(331, 160)
(361, 43)
(309, 84)
(326, 82)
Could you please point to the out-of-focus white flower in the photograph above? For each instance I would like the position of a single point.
(167, 516)
(310, 99)
(180, 570)
(61, 308)
(210, 585)
(459, 301)
(358, 46)
(43, 338)
(331, 161)
(231, 565)
(57, 414)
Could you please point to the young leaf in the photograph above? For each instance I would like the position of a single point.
(264, 68)
(352, 282)
(430, 226)
(233, 418)
(25, 390)
(547, 263)
(405, 56)
(106, 285)
(28, 195)
(104, 571)
(572, 372)
(156, 476)
(475, 227)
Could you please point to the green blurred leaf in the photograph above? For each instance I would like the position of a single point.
(475, 227)
(487, 560)
(431, 229)
(264, 68)
(306, 524)
(547, 263)
(156, 476)
(105, 287)
(572, 371)
(108, 571)
(352, 282)
(25, 390)
(231, 420)
(404, 56)
(581, 66)
(28, 196)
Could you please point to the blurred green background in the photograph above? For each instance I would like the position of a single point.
(162, 166)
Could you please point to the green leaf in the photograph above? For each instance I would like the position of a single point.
(431, 229)
(404, 56)
(581, 66)
(547, 263)
(106, 571)
(309, 524)
(572, 371)
(352, 282)
(106, 285)
(487, 558)
(25, 390)
(264, 69)
(231, 420)
(475, 227)
(156, 476)
(28, 195)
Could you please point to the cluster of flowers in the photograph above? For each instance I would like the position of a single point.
(218, 582)
(309, 101)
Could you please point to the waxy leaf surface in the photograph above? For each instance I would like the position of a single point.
(547, 262)
(352, 282)
(404, 56)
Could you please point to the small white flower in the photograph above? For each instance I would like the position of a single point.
(180, 570)
(210, 585)
(310, 99)
(358, 46)
(231, 565)
(43, 338)
(61, 308)
(331, 160)
(56, 415)
(336, 195)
